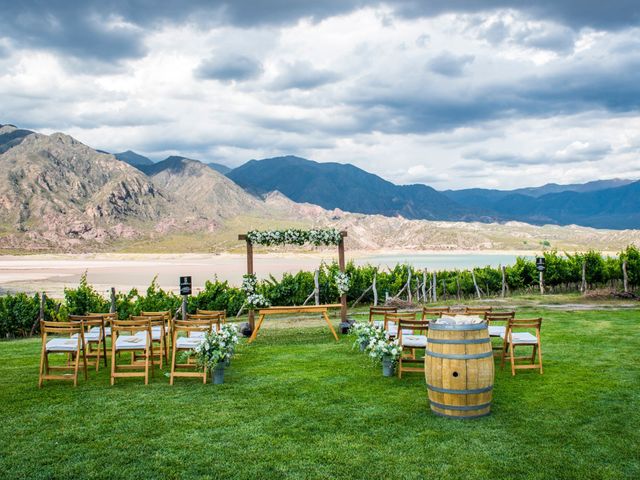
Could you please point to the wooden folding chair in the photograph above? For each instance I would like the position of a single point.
(391, 321)
(416, 340)
(188, 342)
(221, 313)
(375, 311)
(514, 338)
(94, 334)
(477, 310)
(215, 321)
(160, 326)
(69, 346)
(138, 340)
(498, 331)
(433, 312)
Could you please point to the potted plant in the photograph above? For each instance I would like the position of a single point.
(388, 352)
(214, 350)
(365, 332)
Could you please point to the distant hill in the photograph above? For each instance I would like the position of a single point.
(218, 167)
(11, 136)
(133, 158)
(346, 187)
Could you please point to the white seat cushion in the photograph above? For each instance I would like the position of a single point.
(522, 338)
(89, 336)
(107, 331)
(132, 342)
(378, 323)
(156, 334)
(392, 331)
(62, 345)
(188, 342)
(201, 334)
(497, 331)
(416, 341)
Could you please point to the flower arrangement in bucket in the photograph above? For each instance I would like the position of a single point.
(215, 350)
(365, 332)
(388, 352)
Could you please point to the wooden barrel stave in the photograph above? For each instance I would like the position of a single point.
(459, 386)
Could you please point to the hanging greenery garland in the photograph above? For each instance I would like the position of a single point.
(294, 236)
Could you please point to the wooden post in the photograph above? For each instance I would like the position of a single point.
(541, 283)
(434, 293)
(183, 308)
(583, 286)
(504, 281)
(43, 300)
(341, 263)
(252, 317)
(375, 290)
(409, 283)
(316, 283)
(625, 277)
(424, 286)
(475, 284)
(112, 307)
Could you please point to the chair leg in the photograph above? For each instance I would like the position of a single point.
(513, 359)
(540, 357)
(173, 363)
(43, 353)
(146, 366)
(504, 354)
(204, 375)
(113, 362)
(533, 354)
(84, 361)
(98, 355)
(104, 349)
(75, 368)
(153, 375)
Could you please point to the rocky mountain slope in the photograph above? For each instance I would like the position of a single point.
(133, 158)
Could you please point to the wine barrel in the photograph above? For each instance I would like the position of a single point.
(459, 370)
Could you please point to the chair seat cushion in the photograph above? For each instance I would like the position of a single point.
(188, 342)
(497, 331)
(156, 334)
(416, 341)
(132, 342)
(392, 331)
(378, 323)
(201, 334)
(522, 338)
(62, 345)
(89, 336)
(107, 331)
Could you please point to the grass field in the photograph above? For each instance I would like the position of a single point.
(296, 404)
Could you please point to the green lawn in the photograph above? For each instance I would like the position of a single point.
(296, 404)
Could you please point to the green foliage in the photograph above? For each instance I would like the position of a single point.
(84, 299)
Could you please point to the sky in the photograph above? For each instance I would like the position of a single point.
(450, 93)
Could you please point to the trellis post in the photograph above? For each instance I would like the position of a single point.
(252, 317)
(341, 264)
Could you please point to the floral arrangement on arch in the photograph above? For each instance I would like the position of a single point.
(254, 300)
(292, 236)
(343, 282)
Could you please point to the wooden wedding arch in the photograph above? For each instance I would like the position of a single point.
(341, 264)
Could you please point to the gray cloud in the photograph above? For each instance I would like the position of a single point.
(229, 67)
(450, 65)
(304, 76)
(576, 152)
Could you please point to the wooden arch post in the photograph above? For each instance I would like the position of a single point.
(341, 264)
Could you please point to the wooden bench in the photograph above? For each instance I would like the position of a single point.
(322, 309)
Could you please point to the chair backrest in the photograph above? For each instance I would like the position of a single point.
(201, 325)
(477, 310)
(61, 328)
(499, 316)
(133, 324)
(221, 313)
(213, 319)
(419, 327)
(380, 311)
(433, 312)
(397, 316)
(165, 314)
(155, 321)
(88, 321)
(515, 324)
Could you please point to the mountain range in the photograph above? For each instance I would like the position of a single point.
(59, 194)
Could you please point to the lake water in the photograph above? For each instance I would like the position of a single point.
(53, 273)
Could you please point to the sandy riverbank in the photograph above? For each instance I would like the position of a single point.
(52, 273)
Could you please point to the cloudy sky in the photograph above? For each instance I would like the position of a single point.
(450, 93)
